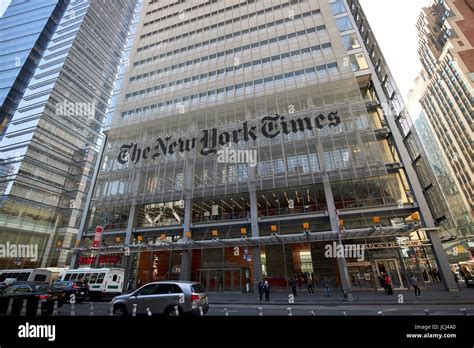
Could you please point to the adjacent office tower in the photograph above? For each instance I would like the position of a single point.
(259, 139)
(59, 62)
(446, 39)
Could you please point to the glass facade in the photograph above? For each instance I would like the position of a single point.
(287, 81)
(51, 145)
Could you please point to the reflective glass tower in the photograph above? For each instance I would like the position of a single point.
(62, 59)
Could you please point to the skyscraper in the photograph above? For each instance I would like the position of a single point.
(62, 62)
(446, 52)
(300, 86)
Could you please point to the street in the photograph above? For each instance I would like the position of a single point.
(101, 308)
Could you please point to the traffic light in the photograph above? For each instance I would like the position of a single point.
(305, 225)
(243, 232)
(376, 220)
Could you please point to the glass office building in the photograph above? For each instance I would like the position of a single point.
(61, 62)
(303, 86)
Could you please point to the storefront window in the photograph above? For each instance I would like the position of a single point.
(229, 207)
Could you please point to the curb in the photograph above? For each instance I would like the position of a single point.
(339, 303)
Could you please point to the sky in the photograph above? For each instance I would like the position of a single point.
(394, 26)
(393, 23)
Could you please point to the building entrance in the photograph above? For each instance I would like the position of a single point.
(222, 279)
(391, 267)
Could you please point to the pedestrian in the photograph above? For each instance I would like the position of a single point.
(309, 284)
(382, 281)
(325, 284)
(414, 283)
(293, 285)
(130, 285)
(388, 284)
(261, 289)
(267, 291)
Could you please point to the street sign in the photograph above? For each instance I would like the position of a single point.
(97, 237)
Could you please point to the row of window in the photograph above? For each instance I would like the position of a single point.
(209, 14)
(229, 69)
(331, 67)
(222, 53)
(162, 7)
(231, 35)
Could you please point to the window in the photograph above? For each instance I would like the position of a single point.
(350, 41)
(337, 7)
(40, 278)
(343, 23)
(147, 290)
(93, 278)
(100, 278)
(197, 288)
(114, 278)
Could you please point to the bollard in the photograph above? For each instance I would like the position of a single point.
(289, 312)
(380, 313)
(91, 309)
(73, 309)
(148, 311)
(225, 312)
(344, 313)
(464, 311)
(134, 311)
(313, 314)
(23, 308)
(38, 310)
(176, 311)
(427, 311)
(201, 313)
(111, 309)
(55, 308)
(260, 311)
(10, 307)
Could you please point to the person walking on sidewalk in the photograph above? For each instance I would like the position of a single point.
(414, 283)
(293, 285)
(309, 284)
(325, 284)
(388, 284)
(382, 281)
(266, 288)
(261, 289)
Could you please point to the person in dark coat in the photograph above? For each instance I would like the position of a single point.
(293, 285)
(266, 287)
(261, 289)
(382, 282)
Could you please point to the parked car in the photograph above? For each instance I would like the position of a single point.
(79, 289)
(33, 294)
(164, 298)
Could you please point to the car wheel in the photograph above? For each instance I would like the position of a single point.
(171, 312)
(120, 311)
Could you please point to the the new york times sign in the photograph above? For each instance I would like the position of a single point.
(270, 127)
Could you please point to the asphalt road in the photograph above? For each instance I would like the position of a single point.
(101, 308)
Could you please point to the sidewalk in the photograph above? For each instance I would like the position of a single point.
(432, 294)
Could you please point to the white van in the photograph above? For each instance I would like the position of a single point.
(38, 275)
(103, 282)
